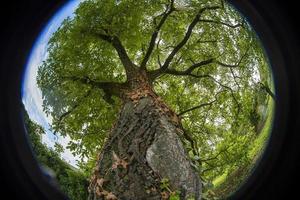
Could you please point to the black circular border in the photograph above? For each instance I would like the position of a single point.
(267, 34)
(20, 173)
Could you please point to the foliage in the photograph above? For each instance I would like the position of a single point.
(213, 81)
(70, 180)
(227, 184)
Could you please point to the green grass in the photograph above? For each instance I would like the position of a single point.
(229, 182)
(219, 180)
(261, 141)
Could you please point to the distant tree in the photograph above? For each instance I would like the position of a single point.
(70, 180)
(157, 87)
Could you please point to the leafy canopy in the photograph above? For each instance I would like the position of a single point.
(209, 67)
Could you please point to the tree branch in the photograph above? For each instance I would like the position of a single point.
(188, 136)
(187, 72)
(231, 92)
(197, 65)
(158, 57)
(216, 156)
(211, 168)
(234, 78)
(165, 15)
(109, 88)
(185, 38)
(129, 66)
(267, 89)
(206, 41)
(180, 73)
(201, 105)
(197, 107)
(227, 65)
(222, 23)
(234, 65)
(64, 115)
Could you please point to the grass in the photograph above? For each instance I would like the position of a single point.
(219, 180)
(228, 183)
(261, 141)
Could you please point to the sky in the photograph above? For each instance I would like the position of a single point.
(31, 94)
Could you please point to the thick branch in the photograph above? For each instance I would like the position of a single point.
(165, 15)
(109, 88)
(154, 74)
(187, 72)
(185, 38)
(196, 65)
(129, 66)
(229, 65)
(179, 73)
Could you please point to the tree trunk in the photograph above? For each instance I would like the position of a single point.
(144, 149)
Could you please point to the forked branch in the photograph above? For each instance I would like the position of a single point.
(129, 66)
(185, 38)
(170, 8)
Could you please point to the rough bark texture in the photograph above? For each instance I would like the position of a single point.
(143, 148)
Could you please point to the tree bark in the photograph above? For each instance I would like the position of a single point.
(144, 148)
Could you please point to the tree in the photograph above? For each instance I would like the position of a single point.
(70, 180)
(174, 84)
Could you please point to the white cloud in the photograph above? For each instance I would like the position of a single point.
(67, 154)
(32, 96)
